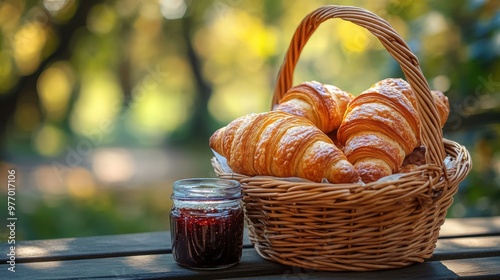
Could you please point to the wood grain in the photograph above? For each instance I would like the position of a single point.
(252, 266)
(467, 248)
(159, 243)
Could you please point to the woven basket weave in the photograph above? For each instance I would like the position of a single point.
(386, 224)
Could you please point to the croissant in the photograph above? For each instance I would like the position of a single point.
(281, 144)
(399, 85)
(413, 160)
(380, 127)
(417, 157)
(441, 101)
(442, 106)
(324, 105)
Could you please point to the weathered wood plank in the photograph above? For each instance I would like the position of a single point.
(470, 227)
(467, 247)
(483, 268)
(138, 267)
(94, 247)
(252, 266)
(448, 247)
(90, 247)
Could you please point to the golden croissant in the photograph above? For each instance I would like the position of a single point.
(283, 145)
(442, 106)
(380, 127)
(441, 101)
(324, 105)
(417, 157)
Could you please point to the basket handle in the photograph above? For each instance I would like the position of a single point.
(431, 134)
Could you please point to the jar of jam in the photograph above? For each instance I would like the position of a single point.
(206, 223)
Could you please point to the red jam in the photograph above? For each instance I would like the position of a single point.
(206, 239)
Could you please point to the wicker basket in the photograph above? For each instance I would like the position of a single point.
(386, 224)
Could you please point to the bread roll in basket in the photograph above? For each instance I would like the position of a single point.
(389, 223)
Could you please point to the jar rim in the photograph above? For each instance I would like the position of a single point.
(206, 188)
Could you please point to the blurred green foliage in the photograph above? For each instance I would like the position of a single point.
(103, 104)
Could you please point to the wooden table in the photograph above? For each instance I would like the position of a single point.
(467, 248)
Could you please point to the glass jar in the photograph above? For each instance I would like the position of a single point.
(206, 223)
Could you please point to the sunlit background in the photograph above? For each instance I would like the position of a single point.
(104, 104)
